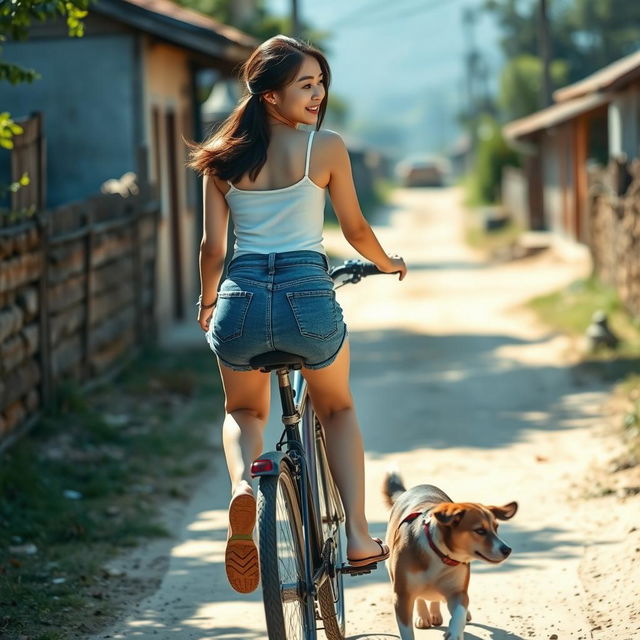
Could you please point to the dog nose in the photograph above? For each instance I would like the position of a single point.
(505, 550)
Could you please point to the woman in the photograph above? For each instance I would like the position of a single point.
(277, 294)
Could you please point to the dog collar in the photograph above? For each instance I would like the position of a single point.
(443, 556)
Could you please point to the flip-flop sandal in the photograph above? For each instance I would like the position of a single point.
(362, 562)
(241, 555)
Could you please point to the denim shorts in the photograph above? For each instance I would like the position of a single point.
(277, 302)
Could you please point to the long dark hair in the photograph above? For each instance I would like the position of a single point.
(240, 144)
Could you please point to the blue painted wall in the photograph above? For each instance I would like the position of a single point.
(91, 106)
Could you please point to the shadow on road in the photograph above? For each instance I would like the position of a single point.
(459, 390)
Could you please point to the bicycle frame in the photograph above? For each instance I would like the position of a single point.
(298, 440)
(300, 455)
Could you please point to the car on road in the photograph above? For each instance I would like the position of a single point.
(422, 171)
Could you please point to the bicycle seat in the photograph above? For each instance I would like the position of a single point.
(273, 360)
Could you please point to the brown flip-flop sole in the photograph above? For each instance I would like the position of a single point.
(363, 562)
(241, 555)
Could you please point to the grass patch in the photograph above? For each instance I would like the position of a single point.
(89, 480)
(570, 310)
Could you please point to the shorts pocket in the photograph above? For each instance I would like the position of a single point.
(315, 313)
(231, 312)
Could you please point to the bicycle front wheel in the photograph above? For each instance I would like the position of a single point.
(331, 592)
(282, 559)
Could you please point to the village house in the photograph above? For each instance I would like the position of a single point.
(590, 123)
(581, 177)
(119, 101)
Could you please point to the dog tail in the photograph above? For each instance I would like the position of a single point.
(392, 486)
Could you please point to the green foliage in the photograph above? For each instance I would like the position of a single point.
(521, 84)
(586, 34)
(492, 155)
(8, 129)
(16, 17)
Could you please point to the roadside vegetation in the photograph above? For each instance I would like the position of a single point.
(570, 310)
(88, 482)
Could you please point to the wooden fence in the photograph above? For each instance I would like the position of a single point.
(29, 156)
(77, 290)
(614, 229)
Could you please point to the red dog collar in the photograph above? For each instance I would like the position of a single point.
(445, 558)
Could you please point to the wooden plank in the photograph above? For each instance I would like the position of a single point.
(88, 292)
(45, 346)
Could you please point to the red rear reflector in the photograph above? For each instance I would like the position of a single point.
(261, 466)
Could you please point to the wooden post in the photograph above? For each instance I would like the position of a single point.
(88, 291)
(44, 225)
(141, 199)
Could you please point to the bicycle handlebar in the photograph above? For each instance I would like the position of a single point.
(357, 269)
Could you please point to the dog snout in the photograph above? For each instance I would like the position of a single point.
(506, 551)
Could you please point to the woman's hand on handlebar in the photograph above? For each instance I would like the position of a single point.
(396, 265)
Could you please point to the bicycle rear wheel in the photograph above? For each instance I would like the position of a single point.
(289, 611)
(331, 592)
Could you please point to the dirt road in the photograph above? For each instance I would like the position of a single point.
(460, 388)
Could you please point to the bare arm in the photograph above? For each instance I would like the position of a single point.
(213, 246)
(354, 225)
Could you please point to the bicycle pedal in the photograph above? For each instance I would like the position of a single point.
(358, 571)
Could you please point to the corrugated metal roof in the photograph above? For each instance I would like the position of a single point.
(553, 115)
(613, 75)
(182, 26)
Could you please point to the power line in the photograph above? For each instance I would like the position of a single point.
(419, 7)
(369, 11)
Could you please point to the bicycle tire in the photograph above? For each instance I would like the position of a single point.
(331, 592)
(282, 558)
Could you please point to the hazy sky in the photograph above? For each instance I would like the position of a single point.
(400, 64)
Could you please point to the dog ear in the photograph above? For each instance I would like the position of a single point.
(506, 512)
(449, 513)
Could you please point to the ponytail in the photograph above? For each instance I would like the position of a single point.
(239, 146)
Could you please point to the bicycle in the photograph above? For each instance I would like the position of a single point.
(300, 514)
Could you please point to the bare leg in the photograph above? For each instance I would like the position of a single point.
(332, 401)
(246, 411)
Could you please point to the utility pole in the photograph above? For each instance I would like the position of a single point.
(471, 58)
(295, 19)
(544, 51)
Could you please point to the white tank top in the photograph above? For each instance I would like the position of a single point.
(277, 220)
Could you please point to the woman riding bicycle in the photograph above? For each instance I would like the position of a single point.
(277, 294)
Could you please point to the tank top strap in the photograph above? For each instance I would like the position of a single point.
(306, 164)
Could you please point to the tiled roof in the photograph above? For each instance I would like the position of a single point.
(181, 26)
(615, 74)
(553, 115)
(173, 10)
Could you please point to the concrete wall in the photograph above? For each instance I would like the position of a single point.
(168, 91)
(624, 128)
(88, 95)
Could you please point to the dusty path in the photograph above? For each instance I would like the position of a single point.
(459, 388)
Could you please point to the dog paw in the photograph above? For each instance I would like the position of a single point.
(468, 616)
(422, 623)
(436, 619)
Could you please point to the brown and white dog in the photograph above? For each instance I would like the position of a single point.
(432, 542)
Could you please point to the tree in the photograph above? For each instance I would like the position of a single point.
(521, 81)
(586, 34)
